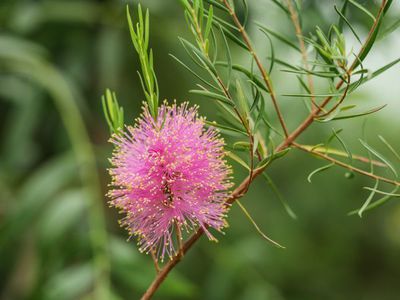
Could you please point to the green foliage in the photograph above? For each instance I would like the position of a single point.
(113, 113)
(140, 39)
(56, 56)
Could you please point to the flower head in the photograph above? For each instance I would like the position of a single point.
(167, 175)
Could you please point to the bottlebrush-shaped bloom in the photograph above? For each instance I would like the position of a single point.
(169, 173)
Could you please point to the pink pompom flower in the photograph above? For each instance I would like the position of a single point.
(169, 175)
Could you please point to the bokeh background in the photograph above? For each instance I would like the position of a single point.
(57, 58)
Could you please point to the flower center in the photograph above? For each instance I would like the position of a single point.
(169, 196)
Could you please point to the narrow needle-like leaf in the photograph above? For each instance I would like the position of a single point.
(369, 199)
(278, 195)
(324, 168)
(257, 227)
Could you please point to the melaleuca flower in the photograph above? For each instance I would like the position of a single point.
(169, 173)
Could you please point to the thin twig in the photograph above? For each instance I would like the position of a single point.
(169, 266)
(342, 98)
(155, 260)
(326, 150)
(347, 166)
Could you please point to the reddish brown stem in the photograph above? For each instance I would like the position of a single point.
(162, 275)
(347, 166)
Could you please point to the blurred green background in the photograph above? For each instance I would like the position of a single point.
(59, 239)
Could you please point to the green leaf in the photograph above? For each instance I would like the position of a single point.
(228, 57)
(347, 107)
(256, 100)
(277, 35)
(237, 159)
(231, 36)
(388, 3)
(279, 196)
(333, 151)
(217, 4)
(246, 13)
(257, 227)
(212, 95)
(342, 17)
(272, 57)
(113, 113)
(393, 27)
(226, 128)
(376, 73)
(343, 144)
(342, 13)
(270, 158)
(377, 203)
(379, 156)
(261, 111)
(147, 31)
(283, 63)
(371, 111)
(241, 146)
(312, 95)
(371, 41)
(200, 55)
(363, 9)
(217, 22)
(282, 7)
(369, 199)
(209, 23)
(246, 72)
(193, 72)
(319, 170)
(391, 194)
(303, 84)
(186, 4)
(390, 147)
(315, 73)
(323, 39)
(243, 105)
(140, 40)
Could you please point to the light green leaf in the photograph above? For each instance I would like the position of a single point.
(277, 35)
(279, 196)
(369, 199)
(212, 95)
(319, 170)
(371, 111)
(257, 227)
(238, 160)
(379, 156)
(363, 9)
